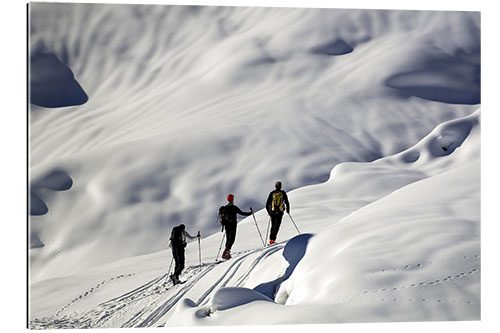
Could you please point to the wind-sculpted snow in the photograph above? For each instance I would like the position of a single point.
(449, 80)
(226, 298)
(293, 252)
(186, 104)
(45, 186)
(337, 47)
(404, 249)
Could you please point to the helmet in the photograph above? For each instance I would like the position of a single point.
(230, 197)
(278, 185)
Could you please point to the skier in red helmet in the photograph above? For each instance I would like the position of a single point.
(228, 219)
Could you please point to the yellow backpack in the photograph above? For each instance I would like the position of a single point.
(277, 203)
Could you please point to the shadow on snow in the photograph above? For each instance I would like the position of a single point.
(294, 251)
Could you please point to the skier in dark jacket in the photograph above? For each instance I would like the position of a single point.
(228, 219)
(276, 203)
(178, 244)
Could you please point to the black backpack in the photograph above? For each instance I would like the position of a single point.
(176, 238)
(223, 216)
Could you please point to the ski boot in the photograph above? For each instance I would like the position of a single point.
(226, 254)
(175, 280)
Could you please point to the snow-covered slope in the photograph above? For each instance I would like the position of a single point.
(186, 104)
(166, 109)
(411, 254)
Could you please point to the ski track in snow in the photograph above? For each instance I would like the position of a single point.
(146, 305)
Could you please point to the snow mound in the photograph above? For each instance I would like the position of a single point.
(230, 297)
(443, 140)
(413, 246)
(424, 159)
(293, 252)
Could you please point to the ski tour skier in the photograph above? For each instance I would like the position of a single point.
(178, 244)
(228, 219)
(276, 203)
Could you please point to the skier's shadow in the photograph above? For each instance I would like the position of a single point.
(293, 252)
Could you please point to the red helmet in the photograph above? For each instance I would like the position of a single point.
(230, 197)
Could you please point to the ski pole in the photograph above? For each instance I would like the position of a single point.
(293, 222)
(262, 239)
(199, 248)
(268, 224)
(169, 267)
(222, 241)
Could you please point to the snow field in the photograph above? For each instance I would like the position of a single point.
(186, 104)
(389, 260)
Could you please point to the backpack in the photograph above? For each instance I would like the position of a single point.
(223, 216)
(277, 202)
(177, 239)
